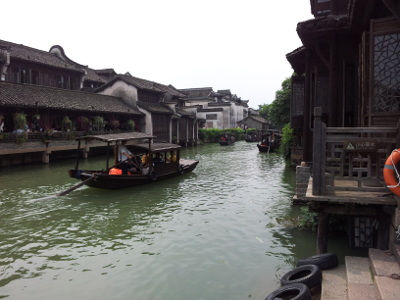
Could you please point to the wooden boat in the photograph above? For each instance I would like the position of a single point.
(226, 140)
(264, 147)
(251, 139)
(142, 143)
(269, 142)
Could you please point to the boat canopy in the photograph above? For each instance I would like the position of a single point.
(115, 137)
(157, 147)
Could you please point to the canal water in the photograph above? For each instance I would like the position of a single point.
(221, 232)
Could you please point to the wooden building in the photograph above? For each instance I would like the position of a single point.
(345, 111)
(50, 86)
(255, 121)
(166, 116)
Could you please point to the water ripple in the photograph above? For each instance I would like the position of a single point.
(211, 234)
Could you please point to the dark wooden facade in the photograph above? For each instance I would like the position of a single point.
(345, 92)
(346, 66)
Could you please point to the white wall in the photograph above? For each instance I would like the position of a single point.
(120, 89)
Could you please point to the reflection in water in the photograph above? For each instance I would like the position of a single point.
(212, 234)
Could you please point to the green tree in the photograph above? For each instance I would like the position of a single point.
(263, 110)
(279, 109)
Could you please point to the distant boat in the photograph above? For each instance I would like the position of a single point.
(226, 140)
(251, 138)
(112, 178)
(268, 143)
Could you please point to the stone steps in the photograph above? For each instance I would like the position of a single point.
(372, 278)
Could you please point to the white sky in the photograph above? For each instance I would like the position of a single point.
(224, 44)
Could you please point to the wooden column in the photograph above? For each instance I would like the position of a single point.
(307, 140)
(319, 138)
(86, 151)
(46, 157)
(322, 233)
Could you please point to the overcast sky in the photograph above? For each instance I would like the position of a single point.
(224, 44)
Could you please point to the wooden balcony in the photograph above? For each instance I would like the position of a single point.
(347, 179)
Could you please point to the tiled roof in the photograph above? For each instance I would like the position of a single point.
(197, 92)
(258, 118)
(225, 92)
(184, 112)
(322, 25)
(155, 107)
(32, 55)
(91, 75)
(146, 85)
(29, 96)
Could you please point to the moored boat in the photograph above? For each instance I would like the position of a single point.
(112, 178)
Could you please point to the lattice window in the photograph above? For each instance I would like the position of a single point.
(297, 106)
(386, 73)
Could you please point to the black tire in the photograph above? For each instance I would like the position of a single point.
(324, 261)
(296, 291)
(153, 176)
(310, 275)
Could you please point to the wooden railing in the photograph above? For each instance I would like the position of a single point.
(351, 153)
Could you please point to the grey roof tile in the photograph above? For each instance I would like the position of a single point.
(29, 96)
(21, 52)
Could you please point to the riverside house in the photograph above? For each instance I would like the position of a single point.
(55, 99)
(220, 109)
(345, 112)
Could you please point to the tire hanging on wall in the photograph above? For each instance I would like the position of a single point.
(310, 275)
(324, 261)
(296, 291)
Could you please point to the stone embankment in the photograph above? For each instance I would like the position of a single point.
(376, 277)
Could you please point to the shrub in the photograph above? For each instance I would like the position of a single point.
(288, 140)
(238, 133)
(210, 135)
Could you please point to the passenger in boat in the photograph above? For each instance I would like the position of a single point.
(158, 158)
(146, 163)
(134, 162)
(172, 157)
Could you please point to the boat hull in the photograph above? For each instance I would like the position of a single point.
(226, 143)
(264, 148)
(104, 180)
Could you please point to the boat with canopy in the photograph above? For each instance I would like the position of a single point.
(159, 163)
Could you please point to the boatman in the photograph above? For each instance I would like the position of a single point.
(126, 160)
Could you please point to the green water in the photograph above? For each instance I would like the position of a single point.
(214, 234)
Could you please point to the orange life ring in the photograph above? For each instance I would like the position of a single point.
(390, 173)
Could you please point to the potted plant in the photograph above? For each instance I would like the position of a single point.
(66, 124)
(2, 122)
(114, 123)
(82, 123)
(20, 122)
(98, 123)
(131, 125)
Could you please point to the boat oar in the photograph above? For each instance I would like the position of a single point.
(75, 186)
